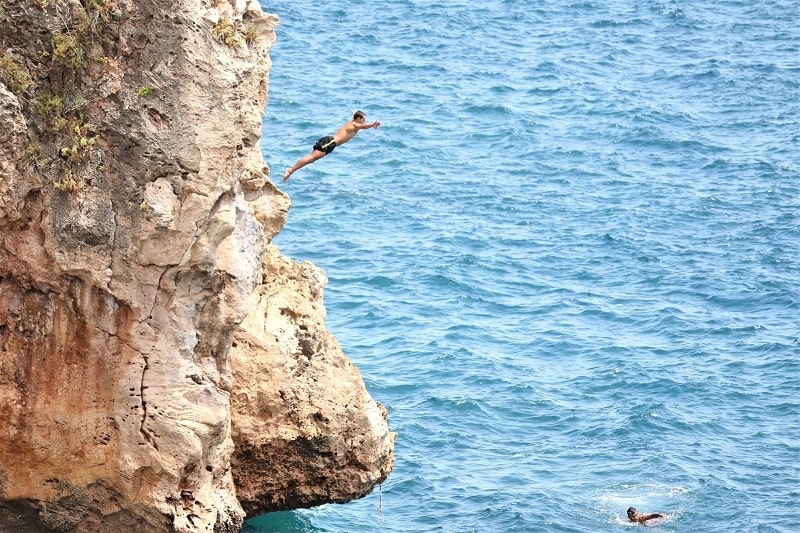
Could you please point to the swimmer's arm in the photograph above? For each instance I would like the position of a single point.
(647, 517)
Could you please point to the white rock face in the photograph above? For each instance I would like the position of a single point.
(136, 214)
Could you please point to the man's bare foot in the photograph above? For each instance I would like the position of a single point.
(287, 174)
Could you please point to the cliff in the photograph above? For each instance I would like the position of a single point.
(162, 366)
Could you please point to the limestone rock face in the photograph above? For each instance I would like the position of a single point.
(328, 440)
(135, 220)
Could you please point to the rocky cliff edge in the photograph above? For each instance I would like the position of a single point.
(162, 366)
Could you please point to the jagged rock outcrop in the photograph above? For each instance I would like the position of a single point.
(321, 445)
(135, 220)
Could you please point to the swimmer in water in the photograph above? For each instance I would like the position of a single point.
(634, 516)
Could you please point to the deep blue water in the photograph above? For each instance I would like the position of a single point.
(568, 262)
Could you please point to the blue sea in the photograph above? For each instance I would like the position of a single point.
(568, 262)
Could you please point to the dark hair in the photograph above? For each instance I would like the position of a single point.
(631, 510)
(359, 114)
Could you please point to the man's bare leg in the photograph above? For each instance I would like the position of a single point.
(303, 161)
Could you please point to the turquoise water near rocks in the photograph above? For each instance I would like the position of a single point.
(568, 262)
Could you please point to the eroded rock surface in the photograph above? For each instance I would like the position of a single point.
(328, 440)
(135, 220)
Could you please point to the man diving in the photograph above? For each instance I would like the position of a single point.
(325, 145)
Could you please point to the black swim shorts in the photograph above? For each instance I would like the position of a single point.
(325, 144)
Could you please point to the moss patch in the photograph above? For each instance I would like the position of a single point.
(13, 74)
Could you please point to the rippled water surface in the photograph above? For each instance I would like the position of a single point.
(567, 262)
